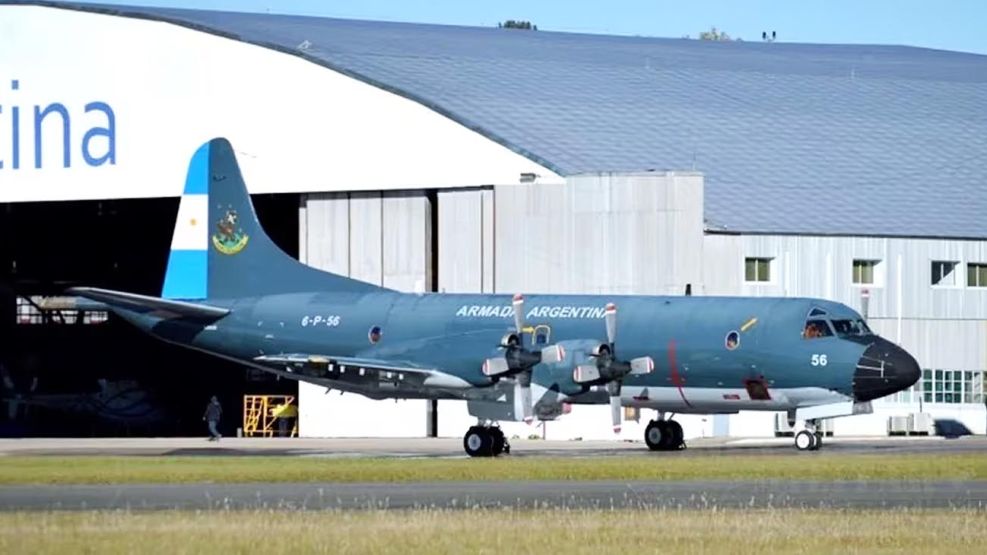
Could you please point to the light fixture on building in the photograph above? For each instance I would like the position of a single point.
(529, 177)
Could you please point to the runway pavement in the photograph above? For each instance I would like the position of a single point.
(453, 447)
(520, 494)
(572, 494)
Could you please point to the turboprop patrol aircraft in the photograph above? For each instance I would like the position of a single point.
(229, 291)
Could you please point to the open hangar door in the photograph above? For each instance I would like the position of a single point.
(92, 374)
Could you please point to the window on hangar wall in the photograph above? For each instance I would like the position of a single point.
(944, 272)
(976, 274)
(29, 312)
(951, 386)
(865, 272)
(757, 270)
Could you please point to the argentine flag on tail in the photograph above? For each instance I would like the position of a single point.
(188, 273)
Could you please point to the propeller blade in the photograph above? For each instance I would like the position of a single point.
(522, 394)
(642, 365)
(615, 413)
(553, 354)
(518, 304)
(495, 366)
(585, 373)
(611, 319)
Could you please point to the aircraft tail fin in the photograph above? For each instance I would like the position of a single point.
(219, 249)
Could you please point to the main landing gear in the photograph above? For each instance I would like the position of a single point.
(485, 441)
(664, 435)
(809, 439)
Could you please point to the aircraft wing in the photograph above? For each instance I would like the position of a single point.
(164, 308)
(340, 368)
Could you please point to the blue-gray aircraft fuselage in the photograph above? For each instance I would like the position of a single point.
(231, 292)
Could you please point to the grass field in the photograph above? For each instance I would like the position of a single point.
(487, 531)
(802, 466)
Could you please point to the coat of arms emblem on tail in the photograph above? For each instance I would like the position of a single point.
(229, 239)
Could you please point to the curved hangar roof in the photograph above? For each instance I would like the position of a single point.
(792, 138)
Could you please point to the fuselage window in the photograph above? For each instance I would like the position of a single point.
(542, 334)
(732, 340)
(815, 329)
(374, 335)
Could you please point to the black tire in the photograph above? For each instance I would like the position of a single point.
(805, 441)
(676, 435)
(818, 443)
(656, 435)
(499, 442)
(478, 442)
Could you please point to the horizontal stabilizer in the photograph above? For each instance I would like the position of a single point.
(142, 304)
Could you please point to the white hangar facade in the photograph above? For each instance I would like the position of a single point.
(440, 158)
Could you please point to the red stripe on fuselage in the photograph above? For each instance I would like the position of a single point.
(673, 371)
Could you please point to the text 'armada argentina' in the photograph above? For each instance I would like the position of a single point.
(501, 311)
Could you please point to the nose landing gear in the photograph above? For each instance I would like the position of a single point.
(809, 439)
(664, 435)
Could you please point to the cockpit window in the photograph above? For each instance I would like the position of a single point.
(847, 328)
(816, 311)
(815, 329)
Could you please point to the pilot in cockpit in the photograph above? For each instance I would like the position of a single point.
(813, 329)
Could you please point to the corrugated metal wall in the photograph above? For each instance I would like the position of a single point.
(466, 240)
(943, 326)
(608, 233)
(823, 267)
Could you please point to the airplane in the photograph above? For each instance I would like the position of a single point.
(231, 292)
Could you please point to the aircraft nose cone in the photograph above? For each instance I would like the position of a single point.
(883, 369)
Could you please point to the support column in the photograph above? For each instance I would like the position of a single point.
(432, 418)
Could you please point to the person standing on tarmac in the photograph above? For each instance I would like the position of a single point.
(286, 414)
(212, 416)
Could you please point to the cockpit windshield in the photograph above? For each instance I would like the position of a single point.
(815, 329)
(851, 328)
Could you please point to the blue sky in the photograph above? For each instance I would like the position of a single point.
(945, 24)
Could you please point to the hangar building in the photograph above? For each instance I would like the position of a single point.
(455, 159)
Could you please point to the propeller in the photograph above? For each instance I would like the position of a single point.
(518, 361)
(518, 304)
(608, 369)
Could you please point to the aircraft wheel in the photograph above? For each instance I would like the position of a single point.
(656, 435)
(478, 442)
(499, 441)
(818, 443)
(676, 435)
(806, 441)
